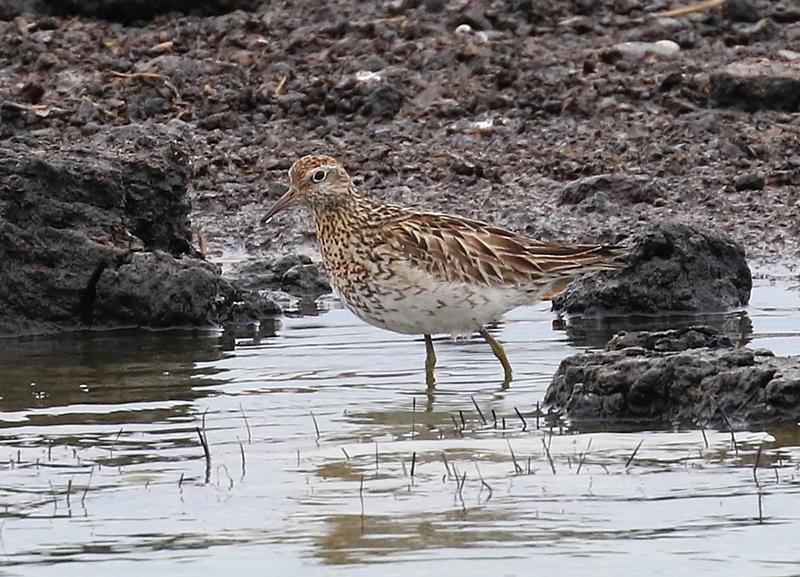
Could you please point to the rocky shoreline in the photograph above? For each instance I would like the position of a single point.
(555, 119)
(99, 237)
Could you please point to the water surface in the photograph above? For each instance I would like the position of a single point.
(314, 427)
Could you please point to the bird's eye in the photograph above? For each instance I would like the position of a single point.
(318, 175)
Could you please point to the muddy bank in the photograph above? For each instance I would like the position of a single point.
(693, 376)
(499, 111)
(562, 120)
(98, 236)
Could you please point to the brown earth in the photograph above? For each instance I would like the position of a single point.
(494, 110)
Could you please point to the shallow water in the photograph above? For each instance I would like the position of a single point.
(103, 471)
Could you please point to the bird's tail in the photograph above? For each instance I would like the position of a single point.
(568, 262)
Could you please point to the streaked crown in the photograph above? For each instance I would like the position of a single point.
(320, 180)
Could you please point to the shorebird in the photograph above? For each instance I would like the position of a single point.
(425, 273)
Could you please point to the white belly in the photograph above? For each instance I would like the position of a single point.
(418, 304)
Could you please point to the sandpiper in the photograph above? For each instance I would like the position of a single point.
(426, 273)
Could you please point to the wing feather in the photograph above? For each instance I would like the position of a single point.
(456, 249)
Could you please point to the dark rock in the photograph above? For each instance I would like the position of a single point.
(31, 92)
(307, 280)
(769, 85)
(552, 106)
(673, 340)
(100, 235)
(622, 188)
(740, 11)
(294, 274)
(670, 81)
(132, 10)
(749, 181)
(474, 18)
(10, 9)
(687, 382)
(282, 264)
(263, 274)
(221, 120)
(673, 267)
(157, 290)
(434, 5)
(466, 168)
(384, 101)
(761, 31)
(155, 105)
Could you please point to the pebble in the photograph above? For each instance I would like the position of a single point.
(749, 181)
(664, 48)
(740, 11)
(758, 85)
(367, 76)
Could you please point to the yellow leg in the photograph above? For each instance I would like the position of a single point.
(430, 361)
(500, 353)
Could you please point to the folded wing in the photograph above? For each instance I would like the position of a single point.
(455, 249)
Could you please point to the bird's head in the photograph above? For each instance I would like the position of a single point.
(316, 181)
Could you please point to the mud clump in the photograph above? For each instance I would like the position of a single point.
(126, 11)
(758, 85)
(294, 274)
(99, 236)
(674, 267)
(691, 376)
(592, 192)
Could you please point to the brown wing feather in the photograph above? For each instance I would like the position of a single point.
(463, 250)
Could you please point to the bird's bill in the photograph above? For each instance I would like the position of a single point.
(284, 202)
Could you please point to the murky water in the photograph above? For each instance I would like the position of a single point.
(326, 457)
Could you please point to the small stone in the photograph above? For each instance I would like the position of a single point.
(761, 31)
(671, 81)
(758, 85)
(666, 48)
(243, 57)
(466, 168)
(663, 48)
(749, 181)
(384, 101)
(740, 11)
(552, 106)
(31, 92)
(622, 188)
(221, 120)
(154, 106)
(305, 279)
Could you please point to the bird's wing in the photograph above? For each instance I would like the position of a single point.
(456, 249)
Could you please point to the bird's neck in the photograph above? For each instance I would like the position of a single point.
(352, 211)
(348, 232)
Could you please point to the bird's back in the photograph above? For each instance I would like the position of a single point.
(424, 273)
